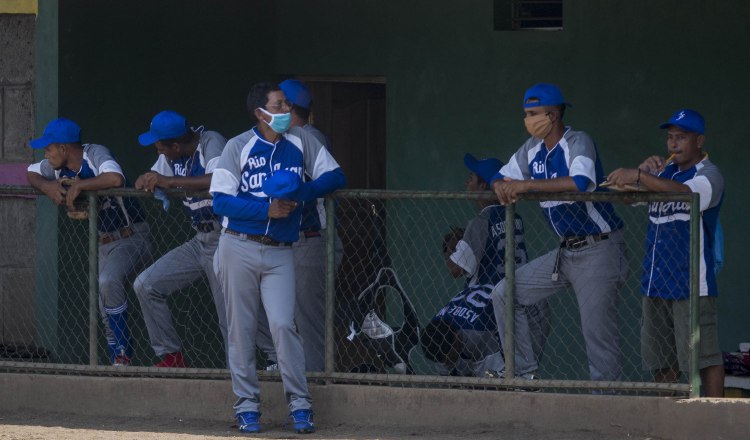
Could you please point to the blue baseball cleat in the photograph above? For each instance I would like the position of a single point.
(303, 421)
(249, 421)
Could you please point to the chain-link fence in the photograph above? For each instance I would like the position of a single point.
(409, 304)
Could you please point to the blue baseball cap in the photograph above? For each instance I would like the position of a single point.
(59, 131)
(283, 184)
(546, 94)
(688, 120)
(485, 168)
(165, 125)
(296, 92)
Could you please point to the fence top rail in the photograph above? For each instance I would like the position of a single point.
(615, 197)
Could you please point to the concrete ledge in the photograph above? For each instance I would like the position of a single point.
(404, 407)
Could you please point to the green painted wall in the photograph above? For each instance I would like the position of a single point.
(453, 84)
(456, 85)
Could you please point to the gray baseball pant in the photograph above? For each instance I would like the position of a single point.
(117, 260)
(177, 269)
(596, 273)
(310, 274)
(250, 272)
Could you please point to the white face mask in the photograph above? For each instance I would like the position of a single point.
(280, 122)
(539, 125)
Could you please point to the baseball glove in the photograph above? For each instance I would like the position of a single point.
(81, 205)
(451, 239)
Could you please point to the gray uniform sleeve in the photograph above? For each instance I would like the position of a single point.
(44, 169)
(101, 160)
(709, 183)
(212, 144)
(317, 158)
(476, 235)
(226, 175)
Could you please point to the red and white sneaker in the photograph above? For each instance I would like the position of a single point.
(121, 361)
(172, 360)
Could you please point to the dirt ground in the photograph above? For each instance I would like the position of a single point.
(22, 426)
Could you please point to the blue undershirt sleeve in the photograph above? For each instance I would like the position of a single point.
(234, 207)
(582, 182)
(327, 182)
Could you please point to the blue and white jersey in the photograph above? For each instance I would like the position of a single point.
(666, 267)
(481, 251)
(115, 213)
(314, 211)
(575, 155)
(471, 309)
(248, 159)
(202, 162)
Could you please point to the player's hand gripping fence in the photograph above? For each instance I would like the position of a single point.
(379, 322)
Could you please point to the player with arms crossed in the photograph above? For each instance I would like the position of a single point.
(665, 282)
(186, 160)
(254, 260)
(123, 235)
(462, 338)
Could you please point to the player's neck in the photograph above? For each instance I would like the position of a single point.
(267, 133)
(75, 160)
(554, 136)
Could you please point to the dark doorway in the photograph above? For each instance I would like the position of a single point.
(351, 112)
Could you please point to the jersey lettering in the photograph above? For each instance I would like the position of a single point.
(256, 162)
(251, 181)
(538, 167)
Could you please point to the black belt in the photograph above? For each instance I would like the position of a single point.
(262, 239)
(579, 242)
(574, 243)
(310, 234)
(205, 227)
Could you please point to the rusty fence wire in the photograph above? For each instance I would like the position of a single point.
(387, 292)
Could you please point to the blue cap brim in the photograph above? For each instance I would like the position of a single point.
(42, 142)
(147, 138)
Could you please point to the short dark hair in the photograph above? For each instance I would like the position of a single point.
(258, 96)
(302, 112)
(437, 339)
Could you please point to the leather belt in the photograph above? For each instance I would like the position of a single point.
(205, 227)
(262, 239)
(579, 242)
(109, 237)
(310, 234)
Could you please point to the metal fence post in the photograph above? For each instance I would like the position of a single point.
(330, 282)
(93, 277)
(510, 291)
(695, 331)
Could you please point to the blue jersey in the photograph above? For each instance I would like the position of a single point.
(666, 266)
(575, 155)
(481, 251)
(249, 159)
(470, 310)
(202, 162)
(115, 213)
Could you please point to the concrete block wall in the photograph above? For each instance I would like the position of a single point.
(17, 214)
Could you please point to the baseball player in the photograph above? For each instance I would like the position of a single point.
(123, 235)
(462, 338)
(187, 157)
(591, 256)
(254, 260)
(309, 252)
(665, 282)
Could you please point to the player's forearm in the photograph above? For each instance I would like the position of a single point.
(559, 184)
(36, 180)
(194, 182)
(240, 209)
(657, 184)
(102, 181)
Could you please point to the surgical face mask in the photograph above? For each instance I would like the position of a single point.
(280, 122)
(539, 125)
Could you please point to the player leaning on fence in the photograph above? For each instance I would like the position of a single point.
(123, 235)
(187, 157)
(257, 188)
(665, 331)
(591, 256)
